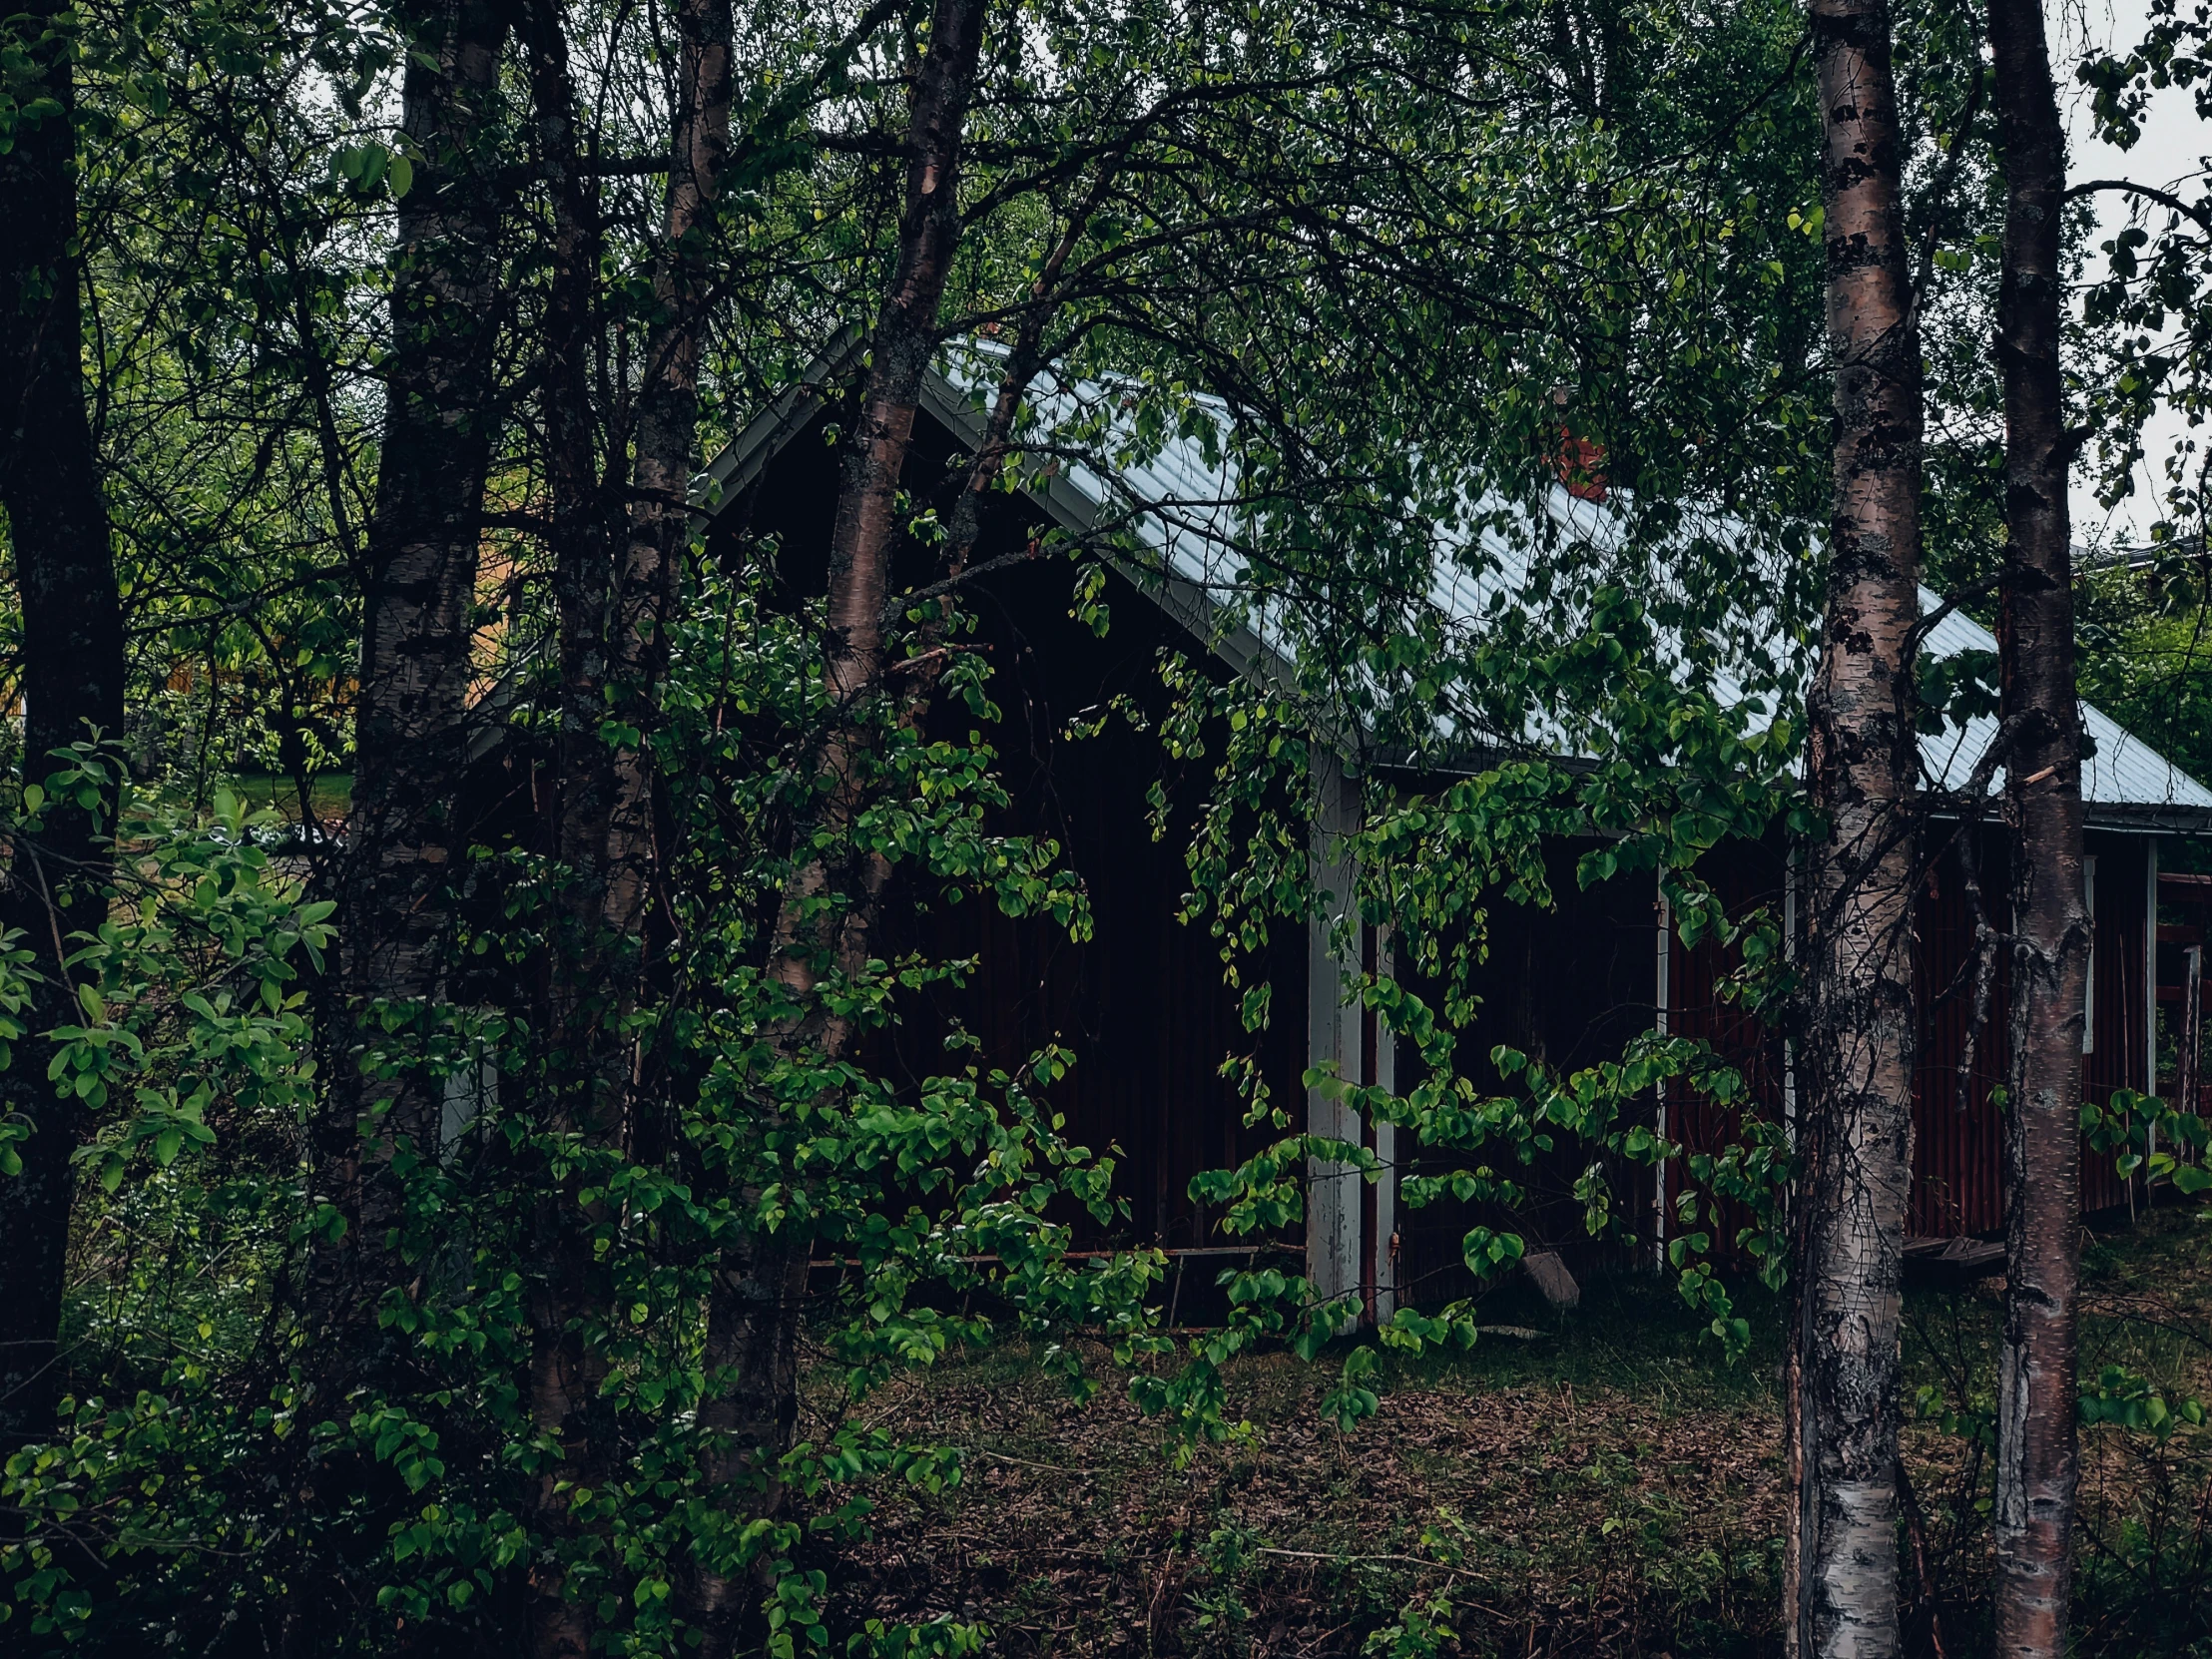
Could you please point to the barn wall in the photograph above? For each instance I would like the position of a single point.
(2121, 1056)
(1141, 1004)
(1957, 1130)
(2184, 926)
(1957, 1155)
(1747, 876)
(1570, 987)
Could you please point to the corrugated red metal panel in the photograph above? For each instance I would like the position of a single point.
(1958, 1134)
(1538, 1000)
(2184, 926)
(1957, 1130)
(2119, 1054)
(1958, 1157)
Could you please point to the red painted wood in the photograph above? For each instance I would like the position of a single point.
(1957, 1162)
(1143, 1006)
(1747, 876)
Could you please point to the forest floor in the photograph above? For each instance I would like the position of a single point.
(1609, 1485)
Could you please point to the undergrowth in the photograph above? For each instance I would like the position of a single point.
(1593, 1482)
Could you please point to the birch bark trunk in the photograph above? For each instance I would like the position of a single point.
(2035, 1435)
(754, 1308)
(1862, 768)
(73, 664)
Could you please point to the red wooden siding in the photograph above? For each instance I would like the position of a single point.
(1570, 987)
(1141, 1004)
(1746, 876)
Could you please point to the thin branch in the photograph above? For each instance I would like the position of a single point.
(899, 604)
(2200, 213)
(1939, 187)
(1929, 623)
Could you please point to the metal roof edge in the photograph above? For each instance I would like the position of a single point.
(2114, 818)
(742, 461)
(1183, 600)
(738, 467)
(2149, 818)
(1236, 644)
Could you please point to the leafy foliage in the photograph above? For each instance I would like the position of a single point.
(1494, 303)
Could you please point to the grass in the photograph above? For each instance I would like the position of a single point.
(1610, 1487)
(330, 794)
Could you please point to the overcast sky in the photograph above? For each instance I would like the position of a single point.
(2170, 152)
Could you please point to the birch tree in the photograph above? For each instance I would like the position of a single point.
(2036, 1415)
(1856, 1123)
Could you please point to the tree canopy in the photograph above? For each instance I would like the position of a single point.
(447, 1009)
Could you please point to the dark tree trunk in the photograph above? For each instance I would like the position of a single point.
(666, 446)
(72, 688)
(614, 649)
(585, 510)
(752, 1312)
(403, 844)
(1858, 1114)
(2035, 1456)
(566, 1372)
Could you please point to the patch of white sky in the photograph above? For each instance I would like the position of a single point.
(2170, 155)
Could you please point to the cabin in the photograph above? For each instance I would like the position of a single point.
(1142, 1006)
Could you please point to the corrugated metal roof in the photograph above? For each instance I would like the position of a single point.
(2125, 775)
(1186, 510)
